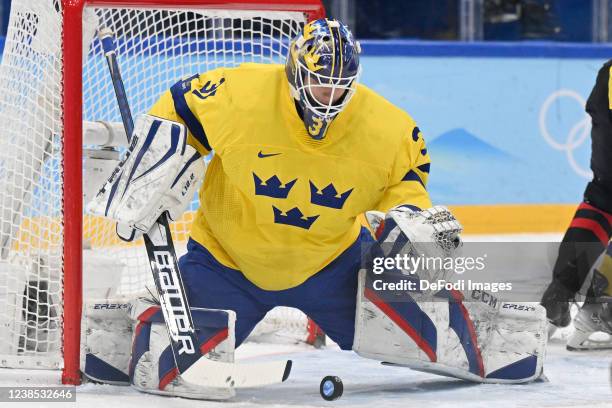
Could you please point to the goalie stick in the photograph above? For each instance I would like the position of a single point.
(192, 365)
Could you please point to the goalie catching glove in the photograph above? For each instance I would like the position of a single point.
(432, 232)
(160, 172)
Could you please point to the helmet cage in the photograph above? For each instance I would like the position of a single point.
(305, 80)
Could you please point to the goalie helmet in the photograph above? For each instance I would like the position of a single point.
(322, 68)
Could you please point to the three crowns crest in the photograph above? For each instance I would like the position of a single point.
(272, 187)
(293, 217)
(328, 197)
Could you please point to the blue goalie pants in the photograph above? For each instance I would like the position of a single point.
(328, 297)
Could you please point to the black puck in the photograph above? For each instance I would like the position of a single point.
(331, 388)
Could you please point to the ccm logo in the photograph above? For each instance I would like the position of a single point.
(514, 306)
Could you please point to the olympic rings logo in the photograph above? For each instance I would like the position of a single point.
(577, 134)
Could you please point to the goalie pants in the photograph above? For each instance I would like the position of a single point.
(328, 297)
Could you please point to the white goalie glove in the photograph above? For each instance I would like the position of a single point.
(160, 172)
(432, 232)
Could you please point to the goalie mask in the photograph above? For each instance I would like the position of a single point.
(322, 69)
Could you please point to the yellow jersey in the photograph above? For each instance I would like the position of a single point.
(275, 203)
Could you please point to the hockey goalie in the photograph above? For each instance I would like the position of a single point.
(300, 152)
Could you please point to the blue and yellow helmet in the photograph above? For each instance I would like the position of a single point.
(322, 68)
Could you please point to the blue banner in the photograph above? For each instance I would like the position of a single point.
(499, 129)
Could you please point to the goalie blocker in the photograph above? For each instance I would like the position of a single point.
(160, 172)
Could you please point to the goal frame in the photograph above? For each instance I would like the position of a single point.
(72, 147)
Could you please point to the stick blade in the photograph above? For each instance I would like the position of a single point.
(211, 373)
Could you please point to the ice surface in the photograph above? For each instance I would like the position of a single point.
(575, 380)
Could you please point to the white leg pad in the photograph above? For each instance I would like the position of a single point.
(106, 331)
(498, 342)
(152, 367)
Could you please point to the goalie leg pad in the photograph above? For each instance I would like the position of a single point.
(152, 368)
(503, 343)
(106, 330)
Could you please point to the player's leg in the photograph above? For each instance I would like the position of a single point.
(591, 227)
(225, 308)
(582, 244)
(596, 313)
(329, 296)
(209, 284)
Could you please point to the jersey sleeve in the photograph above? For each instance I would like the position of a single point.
(200, 103)
(409, 175)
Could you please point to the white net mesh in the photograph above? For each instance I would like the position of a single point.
(156, 47)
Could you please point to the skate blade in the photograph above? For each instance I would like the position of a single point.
(581, 341)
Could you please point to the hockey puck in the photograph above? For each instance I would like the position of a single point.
(331, 388)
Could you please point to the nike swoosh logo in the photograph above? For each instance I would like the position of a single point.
(262, 155)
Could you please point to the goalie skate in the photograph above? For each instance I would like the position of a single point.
(592, 326)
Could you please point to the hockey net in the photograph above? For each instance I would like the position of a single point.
(41, 239)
